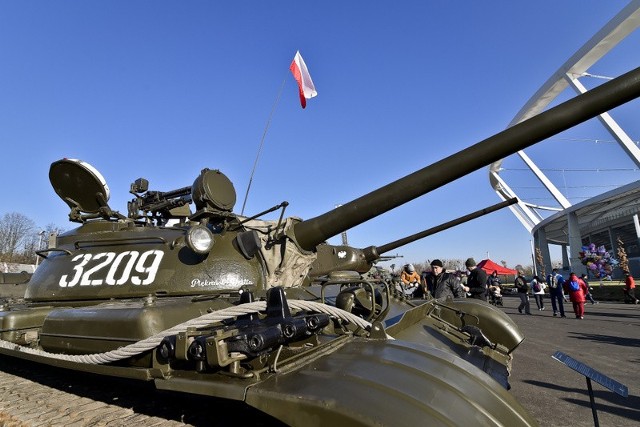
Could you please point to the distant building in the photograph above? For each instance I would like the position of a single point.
(600, 220)
(12, 267)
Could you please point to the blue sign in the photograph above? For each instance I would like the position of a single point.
(591, 373)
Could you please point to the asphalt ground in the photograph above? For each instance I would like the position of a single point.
(606, 340)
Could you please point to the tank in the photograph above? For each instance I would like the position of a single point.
(185, 293)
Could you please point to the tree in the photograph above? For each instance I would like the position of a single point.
(14, 233)
(454, 264)
(622, 256)
(540, 262)
(35, 241)
(448, 264)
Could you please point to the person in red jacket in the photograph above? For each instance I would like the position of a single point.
(577, 290)
(630, 288)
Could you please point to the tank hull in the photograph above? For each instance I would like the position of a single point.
(340, 379)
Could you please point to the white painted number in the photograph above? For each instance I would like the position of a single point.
(84, 259)
(85, 277)
(150, 271)
(124, 275)
(145, 267)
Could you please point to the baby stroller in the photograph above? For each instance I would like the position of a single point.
(495, 295)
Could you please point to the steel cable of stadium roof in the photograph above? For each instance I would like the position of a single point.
(573, 187)
(573, 197)
(597, 141)
(573, 170)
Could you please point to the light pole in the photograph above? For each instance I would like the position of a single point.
(41, 234)
(533, 258)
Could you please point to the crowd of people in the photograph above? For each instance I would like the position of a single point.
(440, 284)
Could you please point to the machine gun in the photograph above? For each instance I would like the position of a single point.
(158, 206)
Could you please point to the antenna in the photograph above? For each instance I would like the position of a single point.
(264, 134)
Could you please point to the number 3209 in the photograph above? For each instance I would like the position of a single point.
(113, 269)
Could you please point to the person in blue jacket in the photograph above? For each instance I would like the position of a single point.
(555, 282)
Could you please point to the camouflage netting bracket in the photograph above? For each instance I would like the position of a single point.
(287, 264)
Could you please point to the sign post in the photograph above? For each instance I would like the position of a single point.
(592, 374)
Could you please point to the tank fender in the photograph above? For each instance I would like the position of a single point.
(495, 324)
(381, 382)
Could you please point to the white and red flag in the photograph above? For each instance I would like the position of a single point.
(305, 85)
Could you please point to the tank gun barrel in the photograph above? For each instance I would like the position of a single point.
(311, 232)
(373, 253)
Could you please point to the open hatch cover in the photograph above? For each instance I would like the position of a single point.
(79, 185)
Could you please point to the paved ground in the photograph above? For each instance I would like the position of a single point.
(607, 340)
(33, 395)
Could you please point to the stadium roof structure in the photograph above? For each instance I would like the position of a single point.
(592, 214)
(566, 223)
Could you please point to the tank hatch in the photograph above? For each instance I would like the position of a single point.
(79, 185)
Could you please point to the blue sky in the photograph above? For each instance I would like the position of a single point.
(162, 89)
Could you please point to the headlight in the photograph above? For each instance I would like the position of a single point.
(200, 239)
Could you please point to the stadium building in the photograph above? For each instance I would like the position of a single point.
(586, 232)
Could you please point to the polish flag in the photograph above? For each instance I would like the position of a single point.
(305, 85)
